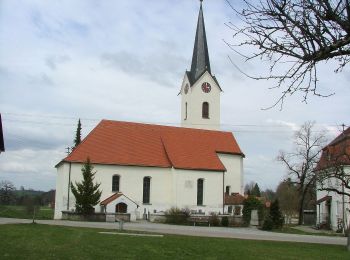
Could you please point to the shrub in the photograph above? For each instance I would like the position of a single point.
(176, 216)
(214, 220)
(224, 221)
(268, 223)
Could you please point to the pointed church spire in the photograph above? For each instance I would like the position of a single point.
(200, 58)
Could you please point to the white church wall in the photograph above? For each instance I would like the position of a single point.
(61, 197)
(131, 184)
(186, 190)
(195, 98)
(169, 187)
(234, 173)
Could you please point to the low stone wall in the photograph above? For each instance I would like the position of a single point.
(235, 221)
(157, 217)
(69, 215)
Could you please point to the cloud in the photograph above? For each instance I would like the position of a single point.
(162, 67)
(41, 80)
(53, 61)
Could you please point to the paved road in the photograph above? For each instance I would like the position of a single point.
(240, 233)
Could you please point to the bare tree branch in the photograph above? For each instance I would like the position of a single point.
(298, 34)
(302, 161)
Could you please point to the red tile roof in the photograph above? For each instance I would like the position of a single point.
(111, 198)
(234, 199)
(337, 152)
(125, 143)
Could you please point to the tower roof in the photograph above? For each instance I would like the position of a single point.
(200, 58)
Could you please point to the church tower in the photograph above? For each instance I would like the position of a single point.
(200, 91)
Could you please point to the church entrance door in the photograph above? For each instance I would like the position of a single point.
(121, 208)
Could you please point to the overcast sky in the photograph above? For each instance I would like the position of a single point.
(125, 60)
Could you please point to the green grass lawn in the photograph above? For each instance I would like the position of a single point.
(20, 212)
(34, 241)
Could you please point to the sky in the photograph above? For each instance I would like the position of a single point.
(125, 60)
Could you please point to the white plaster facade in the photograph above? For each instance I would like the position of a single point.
(192, 103)
(169, 187)
(335, 209)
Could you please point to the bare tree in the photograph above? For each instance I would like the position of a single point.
(293, 36)
(249, 187)
(288, 196)
(302, 162)
(7, 192)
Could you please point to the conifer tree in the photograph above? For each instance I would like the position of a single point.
(276, 215)
(77, 139)
(86, 193)
(256, 191)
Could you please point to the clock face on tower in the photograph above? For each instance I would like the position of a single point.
(206, 87)
(186, 88)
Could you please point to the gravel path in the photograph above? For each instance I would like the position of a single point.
(240, 233)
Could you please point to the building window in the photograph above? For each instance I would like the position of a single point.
(238, 211)
(200, 184)
(146, 190)
(228, 190)
(205, 110)
(186, 111)
(115, 183)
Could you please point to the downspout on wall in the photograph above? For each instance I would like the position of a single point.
(223, 192)
(69, 172)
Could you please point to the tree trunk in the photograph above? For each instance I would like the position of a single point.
(348, 240)
(301, 209)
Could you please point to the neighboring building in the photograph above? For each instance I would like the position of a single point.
(333, 208)
(2, 145)
(145, 168)
(234, 203)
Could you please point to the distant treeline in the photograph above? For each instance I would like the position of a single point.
(9, 195)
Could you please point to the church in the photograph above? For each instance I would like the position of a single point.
(146, 168)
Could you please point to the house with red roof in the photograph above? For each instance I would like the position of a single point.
(147, 168)
(333, 187)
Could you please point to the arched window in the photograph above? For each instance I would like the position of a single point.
(200, 184)
(205, 110)
(146, 190)
(186, 111)
(115, 183)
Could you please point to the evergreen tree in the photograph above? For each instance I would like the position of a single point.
(276, 215)
(86, 193)
(77, 139)
(255, 191)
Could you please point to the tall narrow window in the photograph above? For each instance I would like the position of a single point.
(205, 110)
(228, 190)
(115, 183)
(186, 111)
(200, 183)
(146, 190)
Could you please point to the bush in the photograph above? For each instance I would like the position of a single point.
(268, 223)
(214, 220)
(224, 221)
(176, 216)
